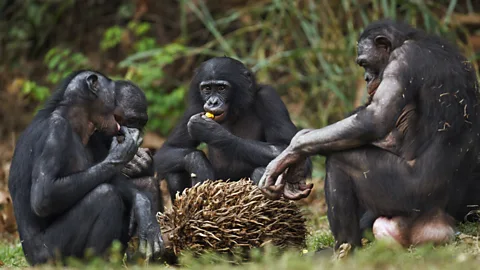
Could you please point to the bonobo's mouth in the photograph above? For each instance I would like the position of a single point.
(372, 86)
(219, 116)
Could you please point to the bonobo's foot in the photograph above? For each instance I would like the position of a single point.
(473, 216)
(151, 244)
(343, 251)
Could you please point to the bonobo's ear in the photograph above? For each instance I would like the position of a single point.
(247, 73)
(92, 82)
(383, 42)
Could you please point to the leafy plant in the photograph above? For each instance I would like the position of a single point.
(61, 62)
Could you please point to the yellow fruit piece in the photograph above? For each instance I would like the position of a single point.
(210, 115)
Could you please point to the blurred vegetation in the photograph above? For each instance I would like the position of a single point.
(305, 48)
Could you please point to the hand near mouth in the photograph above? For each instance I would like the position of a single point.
(205, 129)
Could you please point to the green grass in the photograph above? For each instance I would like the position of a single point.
(11, 254)
(464, 253)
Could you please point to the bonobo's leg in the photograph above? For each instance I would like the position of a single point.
(199, 167)
(382, 184)
(94, 223)
(342, 205)
(151, 187)
(197, 170)
(177, 182)
(257, 175)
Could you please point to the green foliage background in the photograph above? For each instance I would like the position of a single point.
(305, 48)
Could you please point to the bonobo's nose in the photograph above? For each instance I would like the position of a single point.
(213, 102)
(214, 105)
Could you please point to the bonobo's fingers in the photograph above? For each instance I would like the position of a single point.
(296, 187)
(193, 124)
(204, 129)
(136, 136)
(297, 191)
(277, 167)
(140, 162)
(273, 192)
(121, 153)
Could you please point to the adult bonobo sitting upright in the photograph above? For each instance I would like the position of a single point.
(406, 156)
(250, 127)
(131, 112)
(63, 203)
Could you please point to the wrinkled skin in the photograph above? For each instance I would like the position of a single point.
(411, 149)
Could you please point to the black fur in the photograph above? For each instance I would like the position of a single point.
(65, 204)
(433, 123)
(256, 128)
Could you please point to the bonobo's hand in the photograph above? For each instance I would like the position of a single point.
(296, 187)
(141, 162)
(204, 129)
(285, 175)
(121, 153)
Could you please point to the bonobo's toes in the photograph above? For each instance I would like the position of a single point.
(342, 252)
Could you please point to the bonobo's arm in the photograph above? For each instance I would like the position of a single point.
(51, 192)
(372, 123)
(367, 125)
(140, 166)
(171, 156)
(276, 123)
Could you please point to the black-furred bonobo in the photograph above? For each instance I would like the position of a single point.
(131, 111)
(64, 203)
(250, 127)
(405, 158)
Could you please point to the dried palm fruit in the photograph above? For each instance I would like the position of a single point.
(224, 216)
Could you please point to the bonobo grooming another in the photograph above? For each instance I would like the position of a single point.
(250, 127)
(404, 159)
(131, 111)
(64, 203)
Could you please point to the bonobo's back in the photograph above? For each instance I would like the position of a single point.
(20, 178)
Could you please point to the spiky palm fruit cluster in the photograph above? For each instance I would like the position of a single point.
(224, 216)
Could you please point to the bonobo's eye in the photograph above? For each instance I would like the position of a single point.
(206, 88)
(221, 87)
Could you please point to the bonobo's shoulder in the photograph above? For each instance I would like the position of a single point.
(57, 125)
(406, 48)
(266, 90)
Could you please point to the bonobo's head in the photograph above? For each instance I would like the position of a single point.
(131, 109)
(376, 43)
(94, 93)
(222, 86)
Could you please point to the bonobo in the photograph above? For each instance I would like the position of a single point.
(250, 127)
(64, 205)
(404, 158)
(131, 111)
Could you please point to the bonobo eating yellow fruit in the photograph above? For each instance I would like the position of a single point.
(209, 115)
